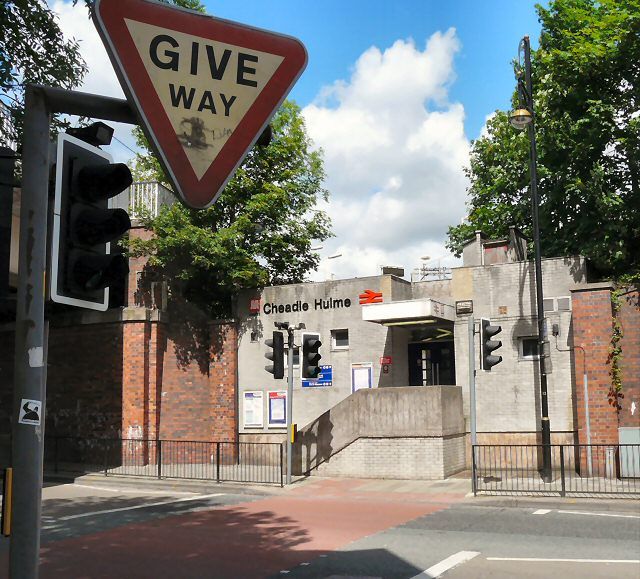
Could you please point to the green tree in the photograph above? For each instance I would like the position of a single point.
(258, 232)
(33, 50)
(587, 98)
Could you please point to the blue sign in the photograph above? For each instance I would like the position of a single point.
(325, 378)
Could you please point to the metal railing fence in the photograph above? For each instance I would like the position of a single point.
(253, 462)
(147, 197)
(576, 469)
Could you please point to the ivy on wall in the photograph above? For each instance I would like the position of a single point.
(614, 358)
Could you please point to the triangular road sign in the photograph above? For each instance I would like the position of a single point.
(204, 88)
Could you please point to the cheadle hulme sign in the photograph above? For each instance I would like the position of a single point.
(300, 306)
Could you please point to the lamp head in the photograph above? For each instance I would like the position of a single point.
(520, 118)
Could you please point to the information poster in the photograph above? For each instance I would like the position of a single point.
(253, 409)
(278, 408)
(325, 378)
(361, 376)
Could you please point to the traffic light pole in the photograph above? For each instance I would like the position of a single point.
(29, 395)
(289, 403)
(30, 341)
(472, 382)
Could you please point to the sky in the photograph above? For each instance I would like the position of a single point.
(394, 93)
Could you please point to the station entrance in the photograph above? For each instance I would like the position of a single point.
(432, 364)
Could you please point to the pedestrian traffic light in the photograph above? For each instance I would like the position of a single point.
(487, 345)
(83, 265)
(310, 355)
(276, 355)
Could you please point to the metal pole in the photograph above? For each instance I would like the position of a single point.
(31, 345)
(289, 403)
(585, 382)
(544, 402)
(472, 382)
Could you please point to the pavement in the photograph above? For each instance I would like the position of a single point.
(326, 528)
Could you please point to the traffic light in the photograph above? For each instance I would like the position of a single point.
(82, 263)
(487, 345)
(310, 355)
(276, 355)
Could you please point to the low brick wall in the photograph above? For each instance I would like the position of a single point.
(429, 458)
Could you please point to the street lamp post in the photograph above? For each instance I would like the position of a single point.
(519, 119)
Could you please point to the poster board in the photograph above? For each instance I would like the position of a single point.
(278, 409)
(361, 376)
(253, 409)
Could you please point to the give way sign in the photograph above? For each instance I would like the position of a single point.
(204, 88)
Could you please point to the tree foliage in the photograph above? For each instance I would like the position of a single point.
(258, 232)
(33, 50)
(587, 97)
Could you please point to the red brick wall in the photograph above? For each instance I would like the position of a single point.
(222, 380)
(84, 380)
(592, 329)
(592, 319)
(138, 293)
(139, 378)
(177, 387)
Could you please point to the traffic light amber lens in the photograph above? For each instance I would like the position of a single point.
(96, 182)
(94, 225)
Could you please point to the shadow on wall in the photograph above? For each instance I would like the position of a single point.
(313, 446)
(577, 269)
(189, 327)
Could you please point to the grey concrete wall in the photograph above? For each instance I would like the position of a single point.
(508, 396)
(427, 411)
(367, 342)
(440, 290)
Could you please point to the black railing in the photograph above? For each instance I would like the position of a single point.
(576, 469)
(253, 462)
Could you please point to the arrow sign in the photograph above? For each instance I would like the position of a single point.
(204, 88)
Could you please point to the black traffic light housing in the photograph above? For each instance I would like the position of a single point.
(276, 355)
(310, 355)
(487, 345)
(82, 263)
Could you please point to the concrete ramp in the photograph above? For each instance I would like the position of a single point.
(407, 432)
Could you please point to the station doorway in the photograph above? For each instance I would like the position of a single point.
(432, 364)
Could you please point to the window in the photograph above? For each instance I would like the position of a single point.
(559, 304)
(528, 348)
(339, 339)
(296, 357)
(254, 336)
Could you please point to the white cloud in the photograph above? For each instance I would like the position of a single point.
(394, 149)
(101, 79)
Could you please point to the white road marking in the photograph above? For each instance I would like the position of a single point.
(542, 511)
(599, 514)
(447, 564)
(145, 506)
(541, 560)
(131, 491)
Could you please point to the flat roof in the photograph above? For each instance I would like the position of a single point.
(408, 312)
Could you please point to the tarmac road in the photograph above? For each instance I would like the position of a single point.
(323, 528)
